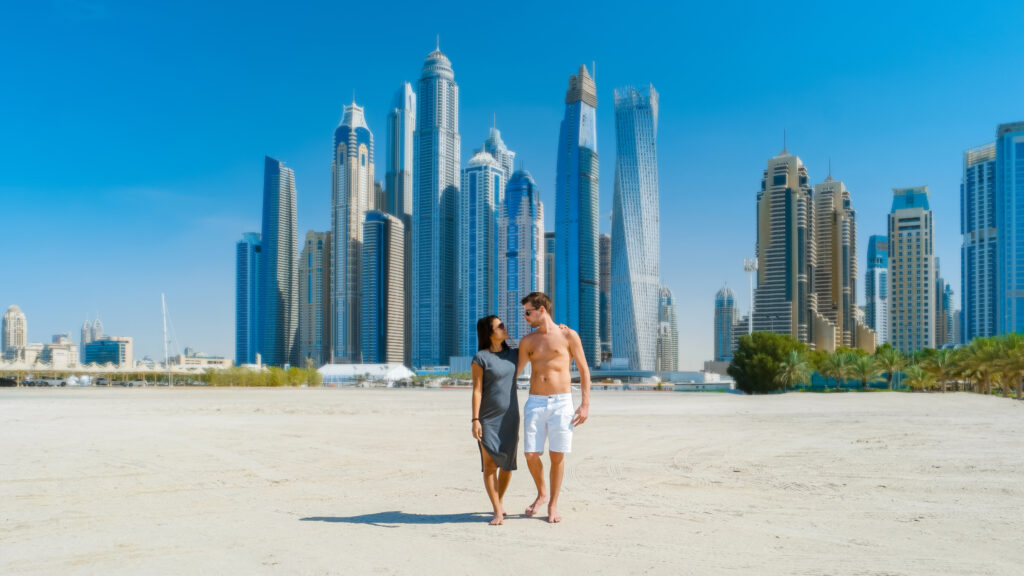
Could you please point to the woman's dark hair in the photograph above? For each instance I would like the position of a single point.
(484, 331)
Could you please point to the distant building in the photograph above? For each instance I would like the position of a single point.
(911, 271)
(835, 284)
(505, 158)
(520, 250)
(876, 293)
(668, 332)
(61, 352)
(247, 315)
(980, 240)
(549, 266)
(1009, 200)
(398, 184)
(193, 358)
(726, 322)
(15, 329)
(478, 251)
(383, 290)
(315, 299)
(278, 290)
(605, 243)
(110, 350)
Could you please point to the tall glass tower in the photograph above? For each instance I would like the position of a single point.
(436, 185)
(911, 271)
(577, 302)
(605, 285)
(635, 276)
(352, 194)
(1010, 227)
(247, 275)
(876, 293)
(483, 183)
(315, 299)
(383, 294)
(549, 265)
(835, 285)
(978, 251)
(668, 332)
(505, 158)
(278, 296)
(520, 250)
(726, 320)
(399, 185)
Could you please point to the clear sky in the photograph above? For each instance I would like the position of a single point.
(132, 134)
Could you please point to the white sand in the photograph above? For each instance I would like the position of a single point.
(246, 481)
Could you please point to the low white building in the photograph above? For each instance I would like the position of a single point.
(338, 374)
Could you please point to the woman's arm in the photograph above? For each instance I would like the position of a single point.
(478, 392)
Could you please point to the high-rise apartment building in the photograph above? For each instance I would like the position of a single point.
(726, 322)
(436, 182)
(15, 329)
(352, 194)
(383, 291)
(978, 250)
(505, 158)
(549, 265)
(1009, 203)
(247, 311)
(278, 296)
(605, 301)
(315, 299)
(399, 184)
(911, 271)
(482, 187)
(784, 301)
(668, 332)
(876, 292)
(635, 275)
(835, 284)
(577, 266)
(520, 250)
(97, 329)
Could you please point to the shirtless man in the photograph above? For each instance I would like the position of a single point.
(548, 412)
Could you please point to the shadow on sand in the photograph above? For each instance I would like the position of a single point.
(395, 518)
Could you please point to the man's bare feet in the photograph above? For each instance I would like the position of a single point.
(532, 509)
(553, 516)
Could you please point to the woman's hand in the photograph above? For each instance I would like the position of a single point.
(478, 430)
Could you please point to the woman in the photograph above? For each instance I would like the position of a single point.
(495, 409)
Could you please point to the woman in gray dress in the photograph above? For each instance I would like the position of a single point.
(495, 409)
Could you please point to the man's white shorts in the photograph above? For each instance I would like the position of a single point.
(550, 418)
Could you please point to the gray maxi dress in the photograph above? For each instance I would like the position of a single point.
(499, 407)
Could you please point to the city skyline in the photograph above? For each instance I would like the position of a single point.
(889, 129)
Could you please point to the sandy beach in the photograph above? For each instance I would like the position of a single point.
(324, 481)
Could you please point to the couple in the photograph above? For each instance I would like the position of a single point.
(548, 413)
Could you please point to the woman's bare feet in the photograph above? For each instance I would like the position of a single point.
(532, 509)
(498, 520)
(553, 515)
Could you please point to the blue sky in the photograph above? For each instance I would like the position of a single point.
(132, 135)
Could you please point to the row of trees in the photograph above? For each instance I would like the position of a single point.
(272, 376)
(765, 362)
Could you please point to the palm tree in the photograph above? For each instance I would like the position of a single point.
(865, 369)
(1013, 363)
(979, 359)
(918, 379)
(794, 370)
(831, 367)
(890, 360)
(939, 365)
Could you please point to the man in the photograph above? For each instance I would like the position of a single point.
(548, 412)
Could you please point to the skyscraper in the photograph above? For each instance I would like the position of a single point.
(668, 332)
(482, 186)
(726, 321)
(97, 329)
(835, 285)
(315, 299)
(576, 215)
(978, 251)
(436, 157)
(605, 301)
(383, 291)
(943, 309)
(15, 330)
(784, 302)
(635, 276)
(549, 265)
(520, 250)
(399, 184)
(1010, 227)
(876, 292)
(86, 337)
(278, 298)
(505, 158)
(247, 315)
(352, 194)
(911, 271)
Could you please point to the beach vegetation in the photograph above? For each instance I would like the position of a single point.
(758, 358)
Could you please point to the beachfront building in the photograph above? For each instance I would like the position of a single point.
(668, 332)
(383, 290)
(352, 194)
(978, 250)
(505, 158)
(876, 311)
(247, 316)
(784, 302)
(482, 187)
(278, 269)
(726, 323)
(635, 246)
(1009, 203)
(605, 302)
(549, 265)
(435, 188)
(116, 350)
(520, 251)
(577, 265)
(835, 284)
(315, 299)
(911, 271)
(15, 330)
(398, 183)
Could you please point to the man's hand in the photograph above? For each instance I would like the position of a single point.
(581, 415)
(478, 431)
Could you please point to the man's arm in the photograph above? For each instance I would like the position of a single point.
(522, 359)
(576, 351)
